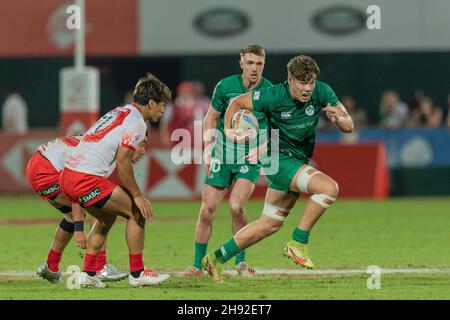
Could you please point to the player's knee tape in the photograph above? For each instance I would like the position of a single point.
(272, 211)
(324, 200)
(67, 226)
(65, 209)
(306, 173)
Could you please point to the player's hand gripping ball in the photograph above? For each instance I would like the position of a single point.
(245, 125)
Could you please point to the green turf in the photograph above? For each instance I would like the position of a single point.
(398, 233)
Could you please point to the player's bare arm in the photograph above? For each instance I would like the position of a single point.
(244, 101)
(340, 117)
(209, 125)
(78, 220)
(125, 169)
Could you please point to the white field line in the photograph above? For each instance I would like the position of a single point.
(280, 272)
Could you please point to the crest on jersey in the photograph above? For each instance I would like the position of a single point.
(256, 95)
(309, 110)
(244, 169)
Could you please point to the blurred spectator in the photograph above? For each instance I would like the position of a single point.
(394, 113)
(181, 113)
(427, 114)
(448, 111)
(416, 99)
(14, 113)
(359, 116)
(202, 101)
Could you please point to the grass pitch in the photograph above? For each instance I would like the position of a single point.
(407, 233)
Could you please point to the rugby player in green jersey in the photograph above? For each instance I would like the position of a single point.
(292, 108)
(222, 162)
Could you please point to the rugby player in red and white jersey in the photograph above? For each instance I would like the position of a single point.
(113, 139)
(42, 172)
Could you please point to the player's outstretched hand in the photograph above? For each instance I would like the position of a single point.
(80, 239)
(332, 113)
(144, 207)
(240, 136)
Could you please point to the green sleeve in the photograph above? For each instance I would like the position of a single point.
(217, 101)
(262, 99)
(327, 96)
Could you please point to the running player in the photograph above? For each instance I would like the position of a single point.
(224, 173)
(42, 172)
(293, 107)
(114, 139)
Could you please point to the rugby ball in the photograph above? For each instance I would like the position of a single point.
(243, 120)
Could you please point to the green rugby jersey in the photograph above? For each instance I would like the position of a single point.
(295, 120)
(224, 91)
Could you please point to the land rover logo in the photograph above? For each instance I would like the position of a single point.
(221, 22)
(339, 20)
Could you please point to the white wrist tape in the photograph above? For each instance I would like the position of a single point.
(272, 211)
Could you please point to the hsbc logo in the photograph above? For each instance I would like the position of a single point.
(286, 115)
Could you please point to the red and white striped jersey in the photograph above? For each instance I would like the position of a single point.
(56, 151)
(96, 153)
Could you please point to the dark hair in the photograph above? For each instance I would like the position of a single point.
(151, 88)
(253, 48)
(303, 68)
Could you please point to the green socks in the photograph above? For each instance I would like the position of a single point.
(227, 251)
(240, 257)
(300, 235)
(200, 252)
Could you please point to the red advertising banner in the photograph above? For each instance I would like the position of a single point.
(360, 170)
(38, 28)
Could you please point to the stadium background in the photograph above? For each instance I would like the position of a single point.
(126, 40)
(199, 40)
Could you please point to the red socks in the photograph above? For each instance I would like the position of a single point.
(90, 262)
(136, 262)
(53, 260)
(100, 261)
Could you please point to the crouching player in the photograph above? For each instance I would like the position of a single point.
(42, 172)
(114, 139)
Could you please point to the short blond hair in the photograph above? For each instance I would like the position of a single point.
(253, 48)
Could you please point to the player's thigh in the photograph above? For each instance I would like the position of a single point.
(104, 218)
(241, 191)
(310, 180)
(212, 196)
(60, 201)
(120, 203)
(277, 205)
(281, 199)
(322, 183)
